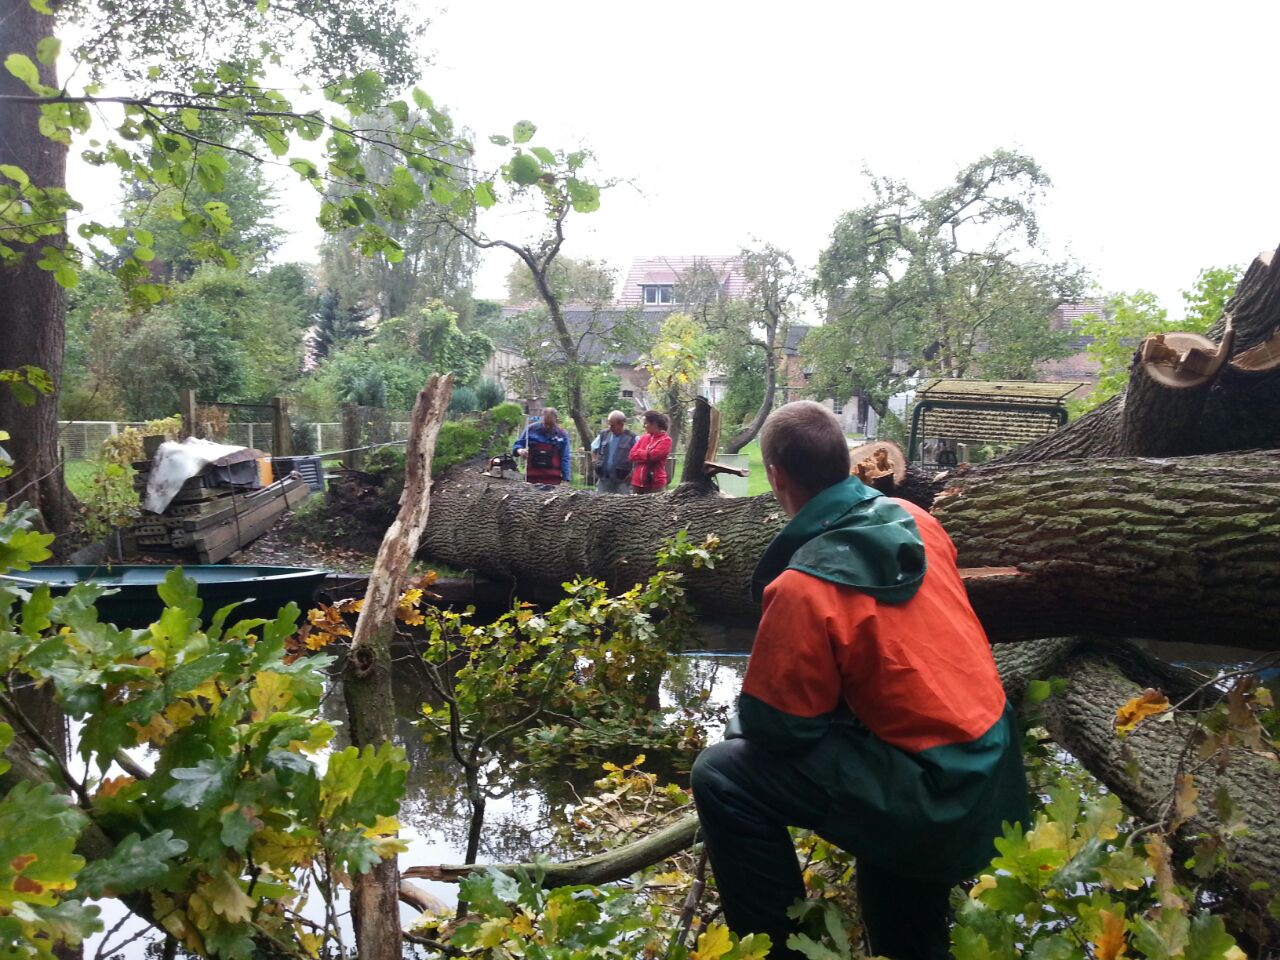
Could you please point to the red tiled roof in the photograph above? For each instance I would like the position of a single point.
(661, 270)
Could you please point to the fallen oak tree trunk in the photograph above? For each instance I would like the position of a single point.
(1141, 768)
(1173, 549)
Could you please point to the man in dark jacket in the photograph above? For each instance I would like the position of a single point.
(871, 711)
(545, 447)
(612, 456)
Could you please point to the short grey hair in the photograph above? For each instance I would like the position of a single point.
(616, 415)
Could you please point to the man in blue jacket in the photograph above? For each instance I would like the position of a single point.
(545, 446)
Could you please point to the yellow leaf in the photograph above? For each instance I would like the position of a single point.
(227, 898)
(156, 731)
(1110, 940)
(311, 943)
(318, 737)
(986, 882)
(1047, 835)
(113, 785)
(492, 932)
(271, 691)
(1184, 799)
(522, 925)
(1147, 704)
(713, 943)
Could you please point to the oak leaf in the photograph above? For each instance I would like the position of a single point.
(1147, 704)
(1110, 941)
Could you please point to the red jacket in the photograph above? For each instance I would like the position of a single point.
(649, 454)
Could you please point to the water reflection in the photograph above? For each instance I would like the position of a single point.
(522, 821)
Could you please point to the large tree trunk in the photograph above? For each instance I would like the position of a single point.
(1178, 549)
(1141, 769)
(367, 674)
(32, 305)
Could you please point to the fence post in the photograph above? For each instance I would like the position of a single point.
(187, 407)
(281, 438)
(350, 435)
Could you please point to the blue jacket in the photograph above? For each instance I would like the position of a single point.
(537, 433)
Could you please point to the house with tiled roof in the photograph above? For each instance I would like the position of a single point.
(1079, 365)
(654, 282)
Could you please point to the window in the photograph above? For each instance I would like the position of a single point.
(837, 406)
(628, 394)
(655, 294)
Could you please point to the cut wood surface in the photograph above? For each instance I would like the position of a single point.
(880, 464)
(1233, 406)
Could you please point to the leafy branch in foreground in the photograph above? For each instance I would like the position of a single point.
(222, 843)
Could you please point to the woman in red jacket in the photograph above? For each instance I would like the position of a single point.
(649, 454)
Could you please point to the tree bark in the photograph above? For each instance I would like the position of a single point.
(1141, 768)
(1178, 549)
(32, 305)
(367, 675)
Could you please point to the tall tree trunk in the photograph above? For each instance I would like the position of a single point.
(32, 305)
(752, 430)
(367, 675)
(1185, 548)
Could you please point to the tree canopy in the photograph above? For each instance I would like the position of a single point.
(949, 284)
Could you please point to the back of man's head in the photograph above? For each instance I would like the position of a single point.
(806, 440)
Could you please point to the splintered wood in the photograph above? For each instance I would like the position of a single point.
(880, 465)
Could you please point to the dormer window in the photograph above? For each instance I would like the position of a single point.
(657, 294)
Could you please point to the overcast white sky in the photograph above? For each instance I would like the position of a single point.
(741, 120)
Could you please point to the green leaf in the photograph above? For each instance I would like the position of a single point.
(16, 174)
(1038, 691)
(584, 196)
(523, 131)
(422, 100)
(1209, 938)
(20, 545)
(134, 864)
(524, 169)
(37, 866)
(365, 207)
(499, 140)
(196, 785)
(47, 50)
(485, 197)
(543, 154)
(190, 118)
(211, 169)
(22, 67)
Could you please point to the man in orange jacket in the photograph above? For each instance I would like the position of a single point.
(871, 711)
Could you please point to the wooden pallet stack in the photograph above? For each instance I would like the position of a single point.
(209, 523)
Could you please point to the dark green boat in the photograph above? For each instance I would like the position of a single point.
(264, 590)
